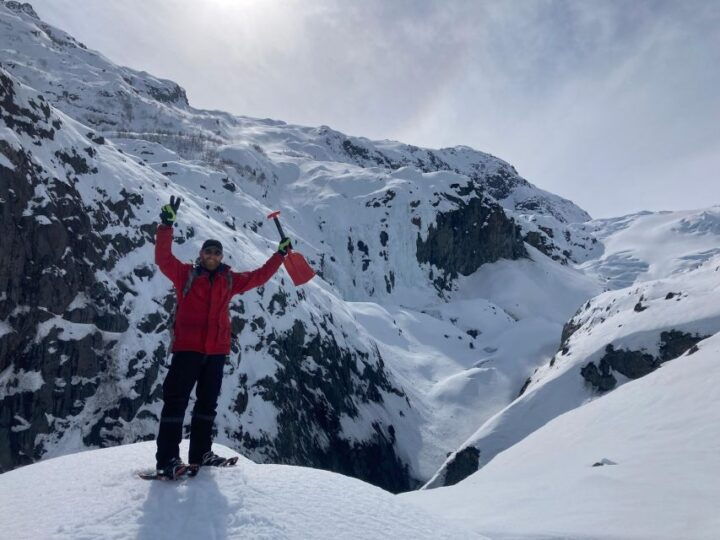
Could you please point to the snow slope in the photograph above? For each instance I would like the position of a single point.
(657, 439)
(646, 246)
(618, 335)
(96, 494)
(463, 361)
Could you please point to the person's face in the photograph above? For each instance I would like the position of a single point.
(210, 258)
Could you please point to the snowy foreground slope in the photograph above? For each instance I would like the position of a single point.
(96, 494)
(656, 442)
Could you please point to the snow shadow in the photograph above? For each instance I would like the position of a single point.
(190, 508)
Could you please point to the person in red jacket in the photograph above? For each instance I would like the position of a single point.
(201, 342)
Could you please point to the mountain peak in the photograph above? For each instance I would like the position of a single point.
(21, 7)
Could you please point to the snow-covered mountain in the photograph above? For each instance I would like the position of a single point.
(671, 265)
(377, 369)
(460, 314)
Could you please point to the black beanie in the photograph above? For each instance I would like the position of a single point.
(212, 244)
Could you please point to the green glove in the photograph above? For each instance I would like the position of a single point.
(284, 246)
(168, 213)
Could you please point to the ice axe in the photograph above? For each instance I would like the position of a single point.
(295, 264)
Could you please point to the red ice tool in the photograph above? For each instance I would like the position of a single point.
(295, 264)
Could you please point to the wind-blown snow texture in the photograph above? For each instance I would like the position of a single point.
(459, 311)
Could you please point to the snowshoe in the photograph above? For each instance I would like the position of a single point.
(173, 470)
(211, 460)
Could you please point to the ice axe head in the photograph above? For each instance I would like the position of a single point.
(274, 216)
(295, 264)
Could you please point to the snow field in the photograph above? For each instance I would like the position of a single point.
(658, 438)
(96, 494)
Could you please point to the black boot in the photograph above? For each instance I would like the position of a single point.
(172, 470)
(213, 460)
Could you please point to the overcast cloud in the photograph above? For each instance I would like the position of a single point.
(613, 104)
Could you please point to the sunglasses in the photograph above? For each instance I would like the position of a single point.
(212, 251)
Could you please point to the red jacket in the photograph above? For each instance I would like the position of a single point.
(202, 321)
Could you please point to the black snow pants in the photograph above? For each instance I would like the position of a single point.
(186, 369)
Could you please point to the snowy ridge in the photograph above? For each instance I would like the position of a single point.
(637, 463)
(119, 101)
(615, 337)
(646, 246)
(246, 501)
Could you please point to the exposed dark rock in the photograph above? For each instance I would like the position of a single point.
(355, 150)
(174, 94)
(569, 328)
(674, 343)
(632, 364)
(381, 201)
(77, 162)
(144, 271)
(97, 139)
(601, 379)
(539, 241)
(548, 231)
(603, 462)
(363, 156)
(502, 183)
(151, 322)
(636, 364)
(384, 238)
(311, 398)
(230, 186)
(35, 121)
(278, 302)
(525, 386)
(460, 241)
(390, 281)
(49, 260)
(463, 464)
(22, 7)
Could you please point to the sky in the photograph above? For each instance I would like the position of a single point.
(612, 104)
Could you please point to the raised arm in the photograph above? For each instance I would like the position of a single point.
(169, 265)
(244, 281)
